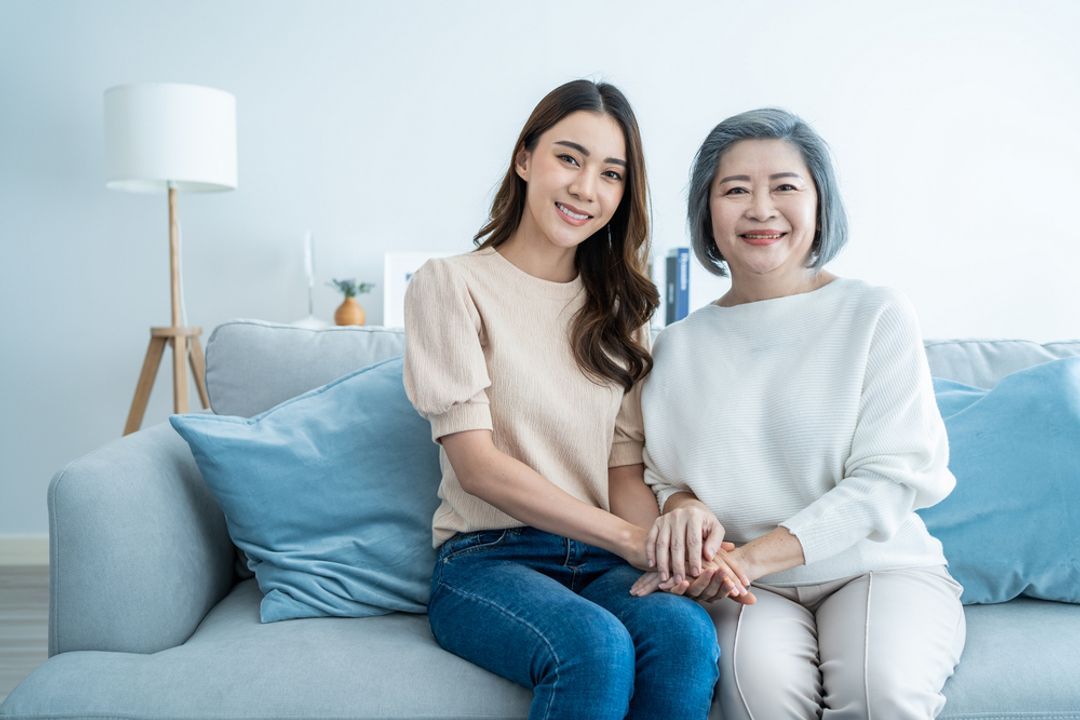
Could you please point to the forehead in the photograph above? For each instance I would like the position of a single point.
(598, 133)
(761, 157)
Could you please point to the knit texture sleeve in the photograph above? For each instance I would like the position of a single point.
(446, 376)
(656, 391)
(661, 486)
(899, 451)
(629, 438)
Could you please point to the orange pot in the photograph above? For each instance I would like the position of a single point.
(349, 313)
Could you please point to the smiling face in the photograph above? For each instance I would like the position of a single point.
(575, 177)
(764, 211)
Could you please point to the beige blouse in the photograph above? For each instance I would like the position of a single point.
(487, 346)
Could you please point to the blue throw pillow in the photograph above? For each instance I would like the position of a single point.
(330, 495)
(1012, 525)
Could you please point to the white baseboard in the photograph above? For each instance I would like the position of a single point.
(24, 549)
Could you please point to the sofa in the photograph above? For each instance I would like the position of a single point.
(153, 616)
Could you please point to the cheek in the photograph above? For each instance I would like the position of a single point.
(535, 193)
(802, 216)
(810, 211)
(723, 220)
(543, 174)
(612, 197)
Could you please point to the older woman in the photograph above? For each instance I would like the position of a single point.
(795, 416)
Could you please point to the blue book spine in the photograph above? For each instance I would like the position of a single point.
(671, 284)
(682, 295)
(677, 295)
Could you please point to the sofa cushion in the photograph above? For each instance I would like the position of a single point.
(251, 365)
(1012, 525)
(983, 363)
(330, 495)
(235, 667)
(1021, 661)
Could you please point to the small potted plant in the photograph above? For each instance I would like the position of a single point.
(350, 312)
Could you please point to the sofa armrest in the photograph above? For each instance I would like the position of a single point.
(139, 551)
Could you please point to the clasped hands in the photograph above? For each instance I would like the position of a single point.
(687, 549)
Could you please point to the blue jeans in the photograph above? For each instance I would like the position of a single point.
(556, 615)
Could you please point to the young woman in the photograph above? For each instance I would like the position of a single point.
(796, 415)
(525, 355)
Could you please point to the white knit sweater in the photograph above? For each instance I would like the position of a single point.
(814, 412)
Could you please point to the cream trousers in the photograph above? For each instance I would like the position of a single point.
(878, 646)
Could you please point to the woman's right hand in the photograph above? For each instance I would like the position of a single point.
(682, 538)
(723, 576)
(714, 582)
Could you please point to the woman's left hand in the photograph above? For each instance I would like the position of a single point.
(680, 540)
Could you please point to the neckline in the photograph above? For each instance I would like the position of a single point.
(549, 288)
(777, 300)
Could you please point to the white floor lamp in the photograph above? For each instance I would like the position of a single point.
(173, 137)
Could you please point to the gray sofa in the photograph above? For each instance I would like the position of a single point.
(151, 616)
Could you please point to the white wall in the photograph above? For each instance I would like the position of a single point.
(386, 125)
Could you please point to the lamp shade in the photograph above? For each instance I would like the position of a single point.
(162, 133)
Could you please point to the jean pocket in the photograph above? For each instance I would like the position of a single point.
(466, 543)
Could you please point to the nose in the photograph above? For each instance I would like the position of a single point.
(583, 186)
(761, 207)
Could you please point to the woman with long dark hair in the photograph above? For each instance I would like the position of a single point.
(526, 357)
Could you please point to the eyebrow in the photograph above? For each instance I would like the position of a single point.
(581, 149)
(774, 176)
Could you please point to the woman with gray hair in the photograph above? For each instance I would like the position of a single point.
(796, 417)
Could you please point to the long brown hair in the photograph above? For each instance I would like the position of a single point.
(612, 262)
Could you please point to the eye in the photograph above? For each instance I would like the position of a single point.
(786, 187)
(569, 159)
(736, 191)
(614, 175)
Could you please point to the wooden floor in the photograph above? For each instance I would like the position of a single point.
(24, 623)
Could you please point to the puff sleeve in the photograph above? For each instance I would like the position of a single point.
(445, 371)
(629, 439)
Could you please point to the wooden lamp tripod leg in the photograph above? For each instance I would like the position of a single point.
(198, 369)
(180, 393)
(145, 384)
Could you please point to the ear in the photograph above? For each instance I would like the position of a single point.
(521, 163)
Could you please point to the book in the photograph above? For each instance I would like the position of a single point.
(677, 295)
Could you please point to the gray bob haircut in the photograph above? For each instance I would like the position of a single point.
(765, 124)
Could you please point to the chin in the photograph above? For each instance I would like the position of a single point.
(568, 241)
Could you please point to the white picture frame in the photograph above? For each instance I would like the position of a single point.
(398, 269)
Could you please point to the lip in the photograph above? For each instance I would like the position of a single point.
(777, 236)
(569, 220)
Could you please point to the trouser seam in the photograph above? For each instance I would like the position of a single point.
(866, 643)
(503, 611)
(735, 664)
